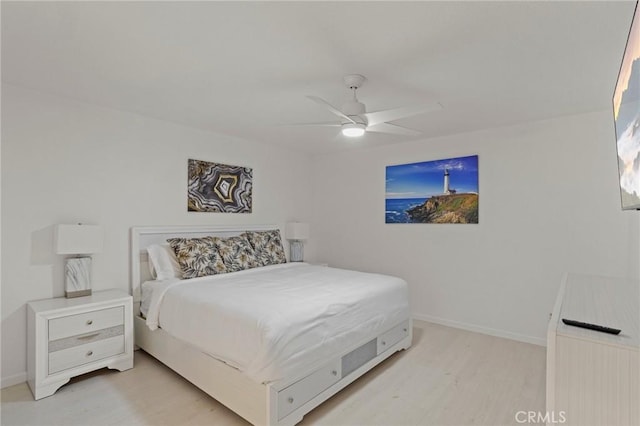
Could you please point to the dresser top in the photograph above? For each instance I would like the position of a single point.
(611, 302)
(98, 297)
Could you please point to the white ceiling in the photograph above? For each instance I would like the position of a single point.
(244, 68)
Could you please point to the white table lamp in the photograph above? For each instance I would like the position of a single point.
(81, 241)
(296, 233)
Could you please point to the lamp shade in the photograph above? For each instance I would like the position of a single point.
(296, 231)
(78, 239)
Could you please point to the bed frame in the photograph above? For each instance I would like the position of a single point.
(280, 403)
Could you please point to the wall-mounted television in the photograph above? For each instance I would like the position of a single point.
(626, 112)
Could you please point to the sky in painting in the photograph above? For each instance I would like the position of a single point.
(426, 179)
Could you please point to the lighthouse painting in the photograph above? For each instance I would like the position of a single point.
(440, 191)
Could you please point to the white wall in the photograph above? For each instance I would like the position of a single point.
(66, 162)
(549, 203)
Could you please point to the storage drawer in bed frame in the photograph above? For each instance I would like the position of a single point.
(388, 339)
(297, 394)
(294, 396)
(286, 402)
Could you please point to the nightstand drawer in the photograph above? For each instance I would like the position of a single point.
(71, 325)
(84, 354)
(83, 339)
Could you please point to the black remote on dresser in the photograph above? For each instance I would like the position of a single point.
(591, 326)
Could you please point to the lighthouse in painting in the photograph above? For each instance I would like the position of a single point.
(447, 190)
(446, 181)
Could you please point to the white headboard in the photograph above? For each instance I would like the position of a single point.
(144, 236)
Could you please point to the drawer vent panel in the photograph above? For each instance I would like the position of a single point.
(359, 357)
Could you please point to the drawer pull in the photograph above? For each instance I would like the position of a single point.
(89, 353)
(404, 329)
(88, 336)
(334, 372)
(384, 343)
(290, 400)
(89, 322)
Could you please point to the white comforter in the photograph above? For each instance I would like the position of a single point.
(278, 321)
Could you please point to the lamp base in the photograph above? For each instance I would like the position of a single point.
(296, 251)
(72, 294)
(77, 272)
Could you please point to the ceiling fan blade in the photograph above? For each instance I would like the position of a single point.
(393, 129)
(314, 124)
(374, 118)
(331, 108)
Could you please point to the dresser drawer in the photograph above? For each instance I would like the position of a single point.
(71, 325)
(393, 336)
(296, 395)
(85, 354)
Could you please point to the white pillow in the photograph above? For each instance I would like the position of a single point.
(163, 264)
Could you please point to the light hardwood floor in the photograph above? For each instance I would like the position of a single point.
(448, 377)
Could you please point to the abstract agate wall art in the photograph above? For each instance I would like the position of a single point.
(220, 188)
(440, 191)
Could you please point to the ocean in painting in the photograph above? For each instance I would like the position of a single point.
(396, 209)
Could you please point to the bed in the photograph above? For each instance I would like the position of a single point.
(272, 342)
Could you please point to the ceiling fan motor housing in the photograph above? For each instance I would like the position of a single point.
(354, 109)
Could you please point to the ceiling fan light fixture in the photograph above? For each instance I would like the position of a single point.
(353, 130)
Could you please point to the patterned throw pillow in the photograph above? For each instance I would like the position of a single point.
(267, 246)
(197, 257)
(237, 253)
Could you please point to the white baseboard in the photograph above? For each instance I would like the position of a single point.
(16, 379)
(484, 330)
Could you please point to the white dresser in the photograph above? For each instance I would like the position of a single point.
(69, 337)
(593, 377)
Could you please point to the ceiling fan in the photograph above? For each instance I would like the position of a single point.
(355, 120)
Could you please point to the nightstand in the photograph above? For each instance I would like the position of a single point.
(69, 337)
